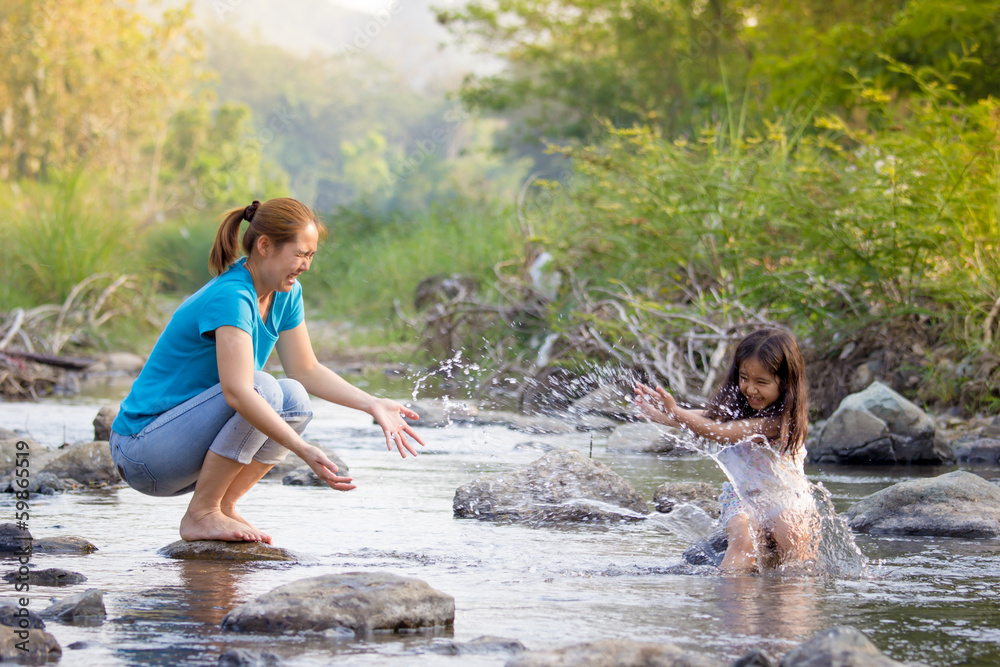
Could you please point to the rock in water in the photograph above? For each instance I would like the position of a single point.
(88, 463)
(612, 653)
(52, 576)
(563, 485)
(68, 544)
(700, 494)
(361, 602)
(102, 422)
(839, 645)
(981, 451)
(879, 426)
(241, 657)
(958, 504)
(220, 550)
(14, 539)
(85, 607)
(42, 647)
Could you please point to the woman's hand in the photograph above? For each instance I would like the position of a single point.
(389, 415)
(325, 469)
(659, 405)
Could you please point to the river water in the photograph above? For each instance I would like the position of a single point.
(933, 600)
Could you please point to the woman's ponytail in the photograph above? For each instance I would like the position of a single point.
(226, 248)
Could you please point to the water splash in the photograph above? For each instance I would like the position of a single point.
(798, 531)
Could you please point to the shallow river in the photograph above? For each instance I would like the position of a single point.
(933, 600)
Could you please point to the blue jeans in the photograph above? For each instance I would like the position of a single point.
(165, 458)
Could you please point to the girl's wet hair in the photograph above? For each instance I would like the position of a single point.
(778, 352)
(280, 219)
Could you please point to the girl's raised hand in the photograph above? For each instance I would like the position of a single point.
(659, 405)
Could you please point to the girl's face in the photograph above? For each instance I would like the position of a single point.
(760, 388)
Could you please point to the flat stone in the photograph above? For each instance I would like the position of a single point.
(220, 550)
(63, 545)
(13, 615)
(479, 646)
(561, 486)
(361, 602)
(42, 647)
(957, 504)
(85, 607)
(53, 576)
(612, 653)
(14, 540)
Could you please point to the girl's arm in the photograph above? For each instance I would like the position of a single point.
(659, 406)
(234, 352)
(299, 361)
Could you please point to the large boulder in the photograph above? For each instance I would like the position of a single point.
(360, 602)
(878, 426)
(612, 653)
(840, 645)
(958, 504)
(88, 463)
(220, 550)
(564, 485)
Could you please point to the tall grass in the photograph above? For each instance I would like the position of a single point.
(55, 235)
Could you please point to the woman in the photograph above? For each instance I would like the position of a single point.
(202, 416)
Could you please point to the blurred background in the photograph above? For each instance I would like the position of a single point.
(547, 187)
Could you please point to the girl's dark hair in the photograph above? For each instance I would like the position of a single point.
(279, 219)
(778, 352)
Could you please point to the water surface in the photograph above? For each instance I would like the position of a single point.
(932, 600)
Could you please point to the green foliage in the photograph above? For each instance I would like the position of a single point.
(55, 235)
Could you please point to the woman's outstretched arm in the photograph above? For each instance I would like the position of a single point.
(661, 407)
(234, 351)
(299, 361)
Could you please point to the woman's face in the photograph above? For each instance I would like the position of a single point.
(760, 388)
(283, 265)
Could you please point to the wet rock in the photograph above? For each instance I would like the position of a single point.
(991, 430)
(612, 653)
(102, 422)
(42, 647)
(437, 413)
(293, 463)
(479, 646)
(13, 539)
(88, 463)
(879, 426)
(52, 576)
(16, 616)
(709, 551)
(241, 657)
(648, 437)
(957, 504)
(362, 602)
(981, 451)
(700, 494)
(85, 607)
(219, 550)
(756, 658)
(840, 645)
(563, 485)
(303, 476)
(68, 544)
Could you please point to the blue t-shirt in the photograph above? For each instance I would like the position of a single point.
(183, 362)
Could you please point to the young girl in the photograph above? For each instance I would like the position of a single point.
(763, 397)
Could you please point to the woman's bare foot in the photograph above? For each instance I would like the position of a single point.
(214, 525)
(233, 514)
